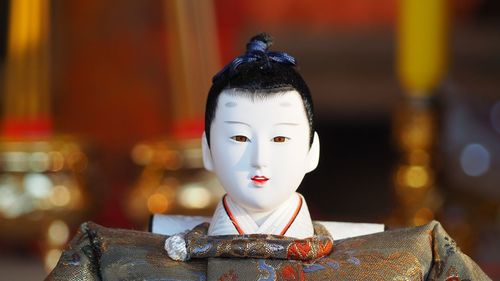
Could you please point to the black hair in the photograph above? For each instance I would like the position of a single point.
(259, 73)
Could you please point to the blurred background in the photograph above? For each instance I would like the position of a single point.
(102, 107)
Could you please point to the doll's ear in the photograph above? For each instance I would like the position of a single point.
(313, 155)
(207, 155)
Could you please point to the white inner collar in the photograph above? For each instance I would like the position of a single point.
(291, 219)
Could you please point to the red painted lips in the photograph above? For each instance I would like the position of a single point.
(259, 180)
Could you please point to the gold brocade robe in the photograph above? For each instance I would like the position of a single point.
(419, 253)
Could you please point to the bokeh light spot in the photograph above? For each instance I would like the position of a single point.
(39, 161)
(56, 161)
(423, 216)
(413, 176)
(157, 203)
(37, 185)
(475, 160)
(60, 196)
(58, 233)
(194, 197)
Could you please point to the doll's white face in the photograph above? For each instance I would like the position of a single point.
(259, 148)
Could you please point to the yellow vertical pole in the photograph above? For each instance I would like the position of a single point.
(422, 45)
(27, 83)
(421, 65)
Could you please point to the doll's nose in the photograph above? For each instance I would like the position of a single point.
(260, 155)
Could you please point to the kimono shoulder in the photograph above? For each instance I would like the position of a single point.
(415, 253)
(100, 253)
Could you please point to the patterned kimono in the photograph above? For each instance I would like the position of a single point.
(419, 253)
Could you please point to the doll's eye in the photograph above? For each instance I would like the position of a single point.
(240, 138)
(280, 139)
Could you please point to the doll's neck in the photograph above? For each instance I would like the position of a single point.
(259, 217)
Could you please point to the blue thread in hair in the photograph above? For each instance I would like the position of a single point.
(256, 46)
(256, 51)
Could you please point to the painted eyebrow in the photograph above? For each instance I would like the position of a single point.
(236, 122)
(230, 104)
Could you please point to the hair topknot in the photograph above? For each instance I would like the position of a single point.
(256, 52)
(262, 40)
